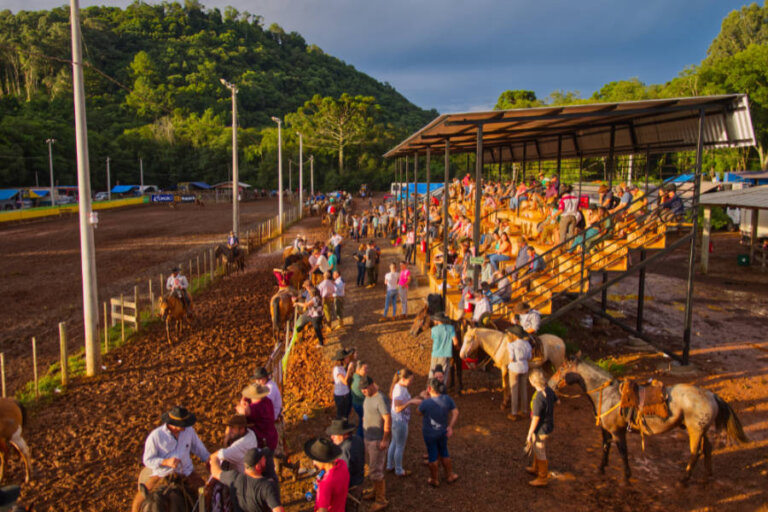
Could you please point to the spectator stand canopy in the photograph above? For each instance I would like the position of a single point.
(754, 199)
(580, 131)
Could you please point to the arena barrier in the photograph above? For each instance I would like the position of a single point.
(51, 211)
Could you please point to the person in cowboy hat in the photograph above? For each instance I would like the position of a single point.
(251, 490)
(333, 486)
(238, 439)
(261, 376)
(519, 354)
(377, 432)
(168, 450)
(257, 407)
(343, 370)
(177, 285)
(443, 340)
(527, 317)
(353, 453)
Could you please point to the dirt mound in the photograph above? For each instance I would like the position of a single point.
(308, 387)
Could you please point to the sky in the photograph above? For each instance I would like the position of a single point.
(458, 56)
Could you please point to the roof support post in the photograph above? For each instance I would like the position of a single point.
(446, 198)
(641, 294)
(478, 201)
(694, 236)
(559, 158)
(705, 237)
(609, 164)
(397, 180)
(525, 157)
(426, 214)
(647, 167)
(406, 192)
(581, 162)
(415, 198)
(753, 235)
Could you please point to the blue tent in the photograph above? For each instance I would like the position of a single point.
(683, 178)
(123, 189)
(200, 184)
(8, 193)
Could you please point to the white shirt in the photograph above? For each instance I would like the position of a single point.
(519, 355)
(235, 453)
(274, 395)
(161, 444)
(322, 264)
(391, 280)
(336, 239)
(326, 288)
(482, 306)
(339, 287)
(179, 282)
(339, 388)
(531, 321)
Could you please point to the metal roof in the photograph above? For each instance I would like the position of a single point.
(658, 126)
(200, 184)
(754, 197)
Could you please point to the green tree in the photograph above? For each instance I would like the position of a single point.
(333, 124)
(741, 28)
(517, 98)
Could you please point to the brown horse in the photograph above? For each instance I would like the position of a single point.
(690, 407)
(281, 310)
(173, 311)
(170, 495)
(230, 259)
(12, 419)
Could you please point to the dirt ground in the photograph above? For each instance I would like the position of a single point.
(87, 443)
(40, 283)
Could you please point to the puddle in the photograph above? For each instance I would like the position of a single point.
(275, 245)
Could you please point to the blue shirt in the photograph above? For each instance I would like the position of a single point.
(437, 415)
(442, 340)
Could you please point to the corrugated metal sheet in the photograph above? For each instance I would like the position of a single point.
(656, 126)
(755, 197)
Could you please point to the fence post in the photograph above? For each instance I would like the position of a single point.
(63, 349)
(122, 318)
(136, 307)
(201, 498)
(151, 299)
(2, 370)
(198, 267)
(106, 330)
(34, 366)
(213, 265)
(190, 269)
(205, 262)
(162, 285)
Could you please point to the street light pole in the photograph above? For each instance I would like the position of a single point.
(109, 183)
(50, 167)
(279, 171)
(235, 171)
(312, 175)
(141, 176)
(290, 175)
(301, 175)
(87, 249)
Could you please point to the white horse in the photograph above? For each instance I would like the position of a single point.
(494, 344)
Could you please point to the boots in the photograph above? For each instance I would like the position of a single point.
(381, 496)
(533, 469)
(434, 474)
(450, 476)
(542, 479)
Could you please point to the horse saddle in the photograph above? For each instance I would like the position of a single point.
(537, 350)
(283, 277)
(645, 400)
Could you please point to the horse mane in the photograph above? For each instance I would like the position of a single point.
(595, 369)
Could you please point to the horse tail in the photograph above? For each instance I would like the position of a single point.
(275, 311)
(727, 419)
(23, 413)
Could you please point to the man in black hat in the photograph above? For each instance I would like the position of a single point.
(333, 486)
(177, 285)
(353, 453)
(250, 490)
(238, 439)
(167, 450)
(261, 376)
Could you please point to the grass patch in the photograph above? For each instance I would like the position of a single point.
(609, 364)
(557, 328)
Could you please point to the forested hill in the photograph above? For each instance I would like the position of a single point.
(153, 91)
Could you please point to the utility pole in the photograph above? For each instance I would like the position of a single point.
(87, 249)
(290, 175)
(109, 185)
(141, 176)
(37, 179)
(279, 171)
(301, 175)
(312, 175)
(235, 173)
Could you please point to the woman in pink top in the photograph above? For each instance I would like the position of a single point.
(402, 286)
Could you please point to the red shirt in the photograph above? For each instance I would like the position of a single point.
(333, 487)
(262, 419)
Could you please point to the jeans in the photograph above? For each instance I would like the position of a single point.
(361, 274)
(409, 252)
(317, 324)
(337, 252)
(496, 258)
(343, 405)
(403, 293)
(359, 410)
(437, 446)
(397, 446)
(371, 275)
(518, 393)
(391, 299)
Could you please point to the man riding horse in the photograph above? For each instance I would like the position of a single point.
(233, 244)
(177, 286)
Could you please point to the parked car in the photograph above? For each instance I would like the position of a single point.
(101, 196)
(63, 199)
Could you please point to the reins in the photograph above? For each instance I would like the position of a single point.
(598, 414)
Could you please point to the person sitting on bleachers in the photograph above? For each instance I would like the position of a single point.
(671, 208)
(483, 308)
(504, 290)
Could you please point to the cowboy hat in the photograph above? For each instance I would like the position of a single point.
(340, 426)
(322, 449)
(440, 317)
(516, 330)
(175, 269)
(520, 308)
(255, 391)
(260, 373)
(342, 354)
(238, 420)
(254, 455)
(179, 417)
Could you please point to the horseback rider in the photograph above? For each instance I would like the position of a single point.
(177, 286)
(530, 320)
(233, 243)
(167, 451)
